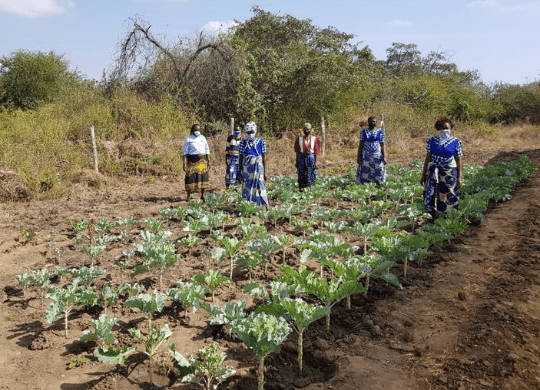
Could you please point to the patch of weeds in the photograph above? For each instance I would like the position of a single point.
(78, 361)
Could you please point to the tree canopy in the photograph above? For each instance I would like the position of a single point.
(29, 79)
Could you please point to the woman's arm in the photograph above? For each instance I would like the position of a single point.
(359, 153)
(264, 165)
(383, 150)
(424, 169)
(459, 172)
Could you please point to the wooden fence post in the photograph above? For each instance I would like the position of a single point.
(323, 134)
(232, 125)
(94, 148)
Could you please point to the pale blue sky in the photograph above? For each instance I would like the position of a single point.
(499, 38)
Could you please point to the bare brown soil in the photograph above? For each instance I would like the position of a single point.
(467, 317)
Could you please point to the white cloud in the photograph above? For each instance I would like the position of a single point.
(400, 23)
(497, 5)
(35, 8)
(217, 27)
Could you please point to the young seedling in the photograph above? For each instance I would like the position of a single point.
(246, 208)
(27, 235)
(109, 295)
(250, 260)
(154, 224)
(93, 251)
(148, 303)
(79, 226)
(105, 225)
(158, 256)
(297, 312)
(247, 229)
(102, 333)
(195, 225)
(212, 280)
(300, 315)
(86, 275)
(152, 341)
(328, 292)
(65, 299)
(364, 230)
(230, 249)
(303, 224)
(40, 279)
(188, 242)
(263, 334)
(351, 270)
(205, 369)
(266, 245)
(227, 314)
(189, 294)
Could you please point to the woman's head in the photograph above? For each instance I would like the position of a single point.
(195, 129)
(251, 127)
(372, 122)
(444, 123)
(307, 128)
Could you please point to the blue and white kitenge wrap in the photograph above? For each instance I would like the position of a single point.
(252, 171)
(372, 168)
(440, 191)
(232, 178)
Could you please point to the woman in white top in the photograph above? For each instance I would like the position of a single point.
(196, 162)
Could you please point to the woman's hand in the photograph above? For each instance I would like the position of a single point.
(423, 179)
(459, 182)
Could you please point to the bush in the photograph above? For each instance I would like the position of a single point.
(28, 80)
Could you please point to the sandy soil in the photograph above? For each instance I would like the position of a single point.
(467, 317)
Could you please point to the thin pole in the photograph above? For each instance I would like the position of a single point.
(323, 134)
(94, 148)
(232, 125)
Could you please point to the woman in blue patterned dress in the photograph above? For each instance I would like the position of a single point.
(371, 156)
(232, 178)
(442, 175)
(252, 162)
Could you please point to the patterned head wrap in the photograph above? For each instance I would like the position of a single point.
(251, 127)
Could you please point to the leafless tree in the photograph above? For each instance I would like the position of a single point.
(205, 67)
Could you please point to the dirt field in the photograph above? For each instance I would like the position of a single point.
(467, 317)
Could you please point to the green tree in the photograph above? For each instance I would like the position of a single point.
(28, 79)
(298, 70)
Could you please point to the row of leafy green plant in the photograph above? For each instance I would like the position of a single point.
(388, 221)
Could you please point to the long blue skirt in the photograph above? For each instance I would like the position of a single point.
(440, 191)
(231, 174)
(306, 169)
(253, 187)
(372, 170)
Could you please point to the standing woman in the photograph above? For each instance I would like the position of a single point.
(232, 177)
(442, 175)
(252, 162)
(306, 149)
(196, 162)
(371, 155)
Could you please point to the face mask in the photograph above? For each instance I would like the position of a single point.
(196, 133)
(251, 136)
(445, 133)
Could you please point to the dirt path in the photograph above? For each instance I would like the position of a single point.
(467, 317)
